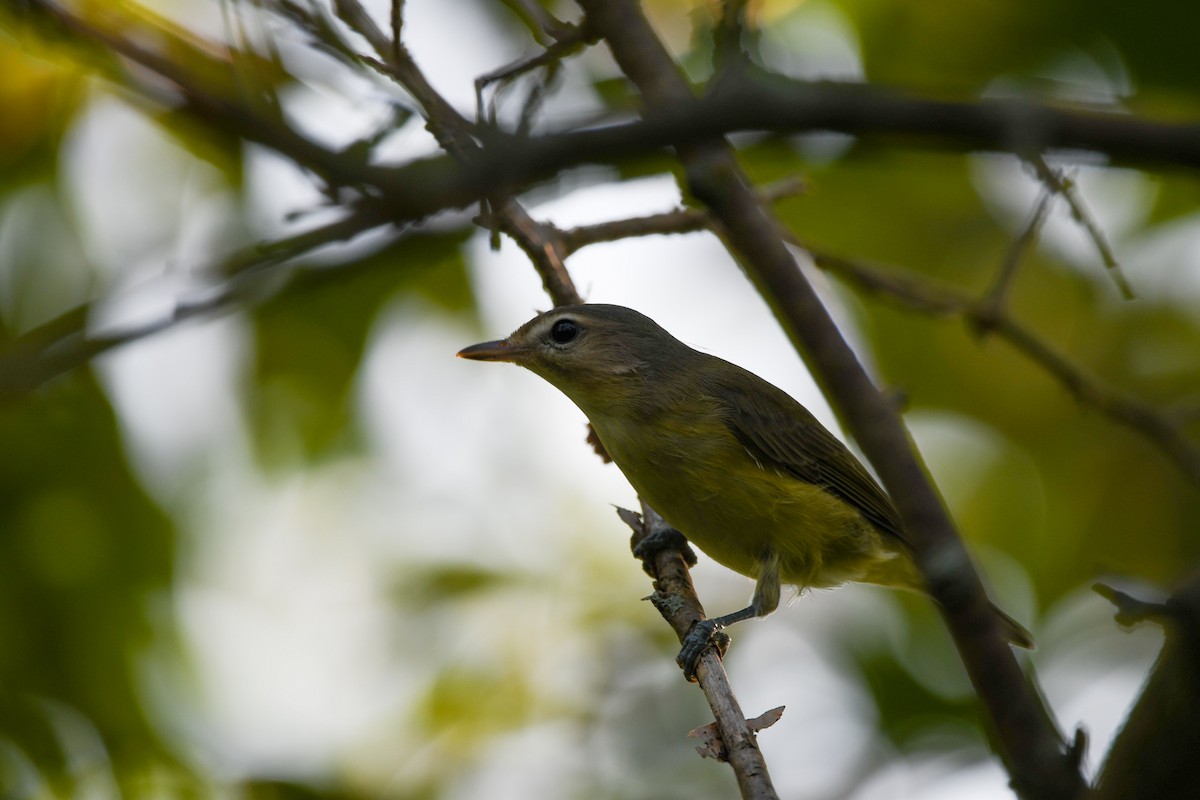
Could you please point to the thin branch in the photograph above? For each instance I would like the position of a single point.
(64, 343)
(675, 598)
(1161, 427)
(321, 30)
(1030, 745)
(453, 132)
(1059, 183)
(207, 88)
(992, 304)
(570, 42)
(682, 220)
(541, 23)
(397, 20)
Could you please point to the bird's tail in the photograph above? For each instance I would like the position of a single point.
(901, 573)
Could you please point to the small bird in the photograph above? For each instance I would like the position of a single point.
(744, 471)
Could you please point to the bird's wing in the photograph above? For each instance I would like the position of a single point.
(781, 434)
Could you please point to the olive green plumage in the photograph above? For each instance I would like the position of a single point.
(736, 464)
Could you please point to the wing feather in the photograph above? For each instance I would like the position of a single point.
(782, 435)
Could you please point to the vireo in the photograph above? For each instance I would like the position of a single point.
(743, 470)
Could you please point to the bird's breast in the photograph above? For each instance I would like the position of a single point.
(700, 478)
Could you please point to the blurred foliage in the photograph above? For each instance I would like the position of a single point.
(87, 555)
(311, 338)
(85, 552)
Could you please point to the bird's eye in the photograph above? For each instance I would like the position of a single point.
(564, 331)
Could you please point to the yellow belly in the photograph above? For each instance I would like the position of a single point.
(741, 514)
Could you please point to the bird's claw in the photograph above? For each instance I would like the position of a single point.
(659, 539)
(705, 634)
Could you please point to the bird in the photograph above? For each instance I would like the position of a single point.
(737, 465)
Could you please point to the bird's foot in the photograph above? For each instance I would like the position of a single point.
(705, 634)
(658, 539)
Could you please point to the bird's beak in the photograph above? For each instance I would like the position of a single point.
(499, 350)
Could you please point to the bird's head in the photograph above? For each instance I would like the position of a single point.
(594, 354)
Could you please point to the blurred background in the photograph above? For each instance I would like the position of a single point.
(299, 550)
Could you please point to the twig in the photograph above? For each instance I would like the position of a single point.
(992, 304)
(1031, 747)
(682, 220)
(1060, 184)
(320, 29)
(397, 26)
(675, 598)
(63, 344)
(208, 90)
(1130, 609)
(569, 42)
(1161, 427)
(453, 132)
(540, 22)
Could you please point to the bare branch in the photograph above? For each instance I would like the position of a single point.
(540, 22)
(64, 343)
(992, 304)
(675, 598)
(1132, 610)
(1161, 427)
(322, 31)
(1059, 183)
(571, 41)
(758, 101)
(397, 19)
(682, 220)
(454, 133)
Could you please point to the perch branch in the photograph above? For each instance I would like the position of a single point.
(675, 598)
